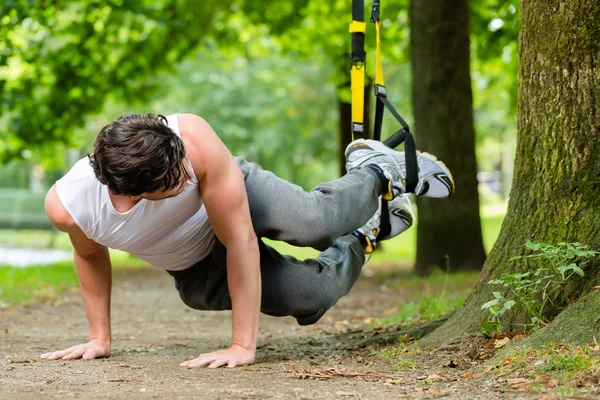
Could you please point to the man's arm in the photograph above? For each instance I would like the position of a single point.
(92, 262)
(221, 184)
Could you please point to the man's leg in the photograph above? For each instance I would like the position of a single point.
(303, 289)
(283, 211)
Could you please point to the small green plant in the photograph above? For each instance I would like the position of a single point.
(534, 289)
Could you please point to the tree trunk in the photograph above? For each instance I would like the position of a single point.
(449, 231)
(555, 195)
(345, 112)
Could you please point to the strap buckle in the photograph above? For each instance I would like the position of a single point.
(380, 90)
(358, 127)
(375, 11)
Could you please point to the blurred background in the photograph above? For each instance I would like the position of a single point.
(272, 78)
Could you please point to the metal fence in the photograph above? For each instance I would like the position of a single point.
(23, 209)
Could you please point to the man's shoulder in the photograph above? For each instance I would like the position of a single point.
(57, 213)
(80, 196)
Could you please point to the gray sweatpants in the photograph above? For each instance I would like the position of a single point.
(322, 218)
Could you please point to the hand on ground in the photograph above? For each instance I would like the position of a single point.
(231, 357)
(92, 349)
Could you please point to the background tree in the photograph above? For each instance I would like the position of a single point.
(555, 193)
(449, 232)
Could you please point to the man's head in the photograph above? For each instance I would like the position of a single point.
(139, 156)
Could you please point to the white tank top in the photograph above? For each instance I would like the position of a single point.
(172, 234)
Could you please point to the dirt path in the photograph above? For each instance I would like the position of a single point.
(153, 332)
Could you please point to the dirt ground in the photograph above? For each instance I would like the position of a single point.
(153, 331)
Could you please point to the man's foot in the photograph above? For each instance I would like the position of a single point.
(401, 218)
(389, 165)
(435, 179)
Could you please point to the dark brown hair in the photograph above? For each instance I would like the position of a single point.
(138, 154)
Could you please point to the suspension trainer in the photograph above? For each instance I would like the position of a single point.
(358, 60)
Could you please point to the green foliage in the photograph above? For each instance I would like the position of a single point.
(430, 307)
(46, 282)
(271, 108)
(533, 290)
(59, 62)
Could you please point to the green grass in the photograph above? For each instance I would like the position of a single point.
(401, 357)
(22, 285)
(43, 282)
(425, 299)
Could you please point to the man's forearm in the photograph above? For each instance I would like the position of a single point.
(95, 278)
(243, 270)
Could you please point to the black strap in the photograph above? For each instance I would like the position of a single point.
(403, 135)
(358, 10)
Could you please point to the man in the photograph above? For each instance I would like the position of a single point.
(170, 192)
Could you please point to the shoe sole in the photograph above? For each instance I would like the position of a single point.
(440, 163)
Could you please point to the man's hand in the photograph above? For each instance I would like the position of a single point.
(232, 357)
(92, 349)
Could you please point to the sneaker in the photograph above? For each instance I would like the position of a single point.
(435, 179)
(401, 218)
(387, 163)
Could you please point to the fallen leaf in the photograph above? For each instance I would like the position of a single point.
(394, 381)
(422, 377)
(498, 343)
(435, 378)
(552, 383)
(517, 381)
(507, 361)
(467, 375)
(541, 378)
(545, 397)
(518, 336)
(422, 389)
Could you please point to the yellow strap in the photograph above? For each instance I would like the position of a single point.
(379, 68)
(357, 26)
(357, 76)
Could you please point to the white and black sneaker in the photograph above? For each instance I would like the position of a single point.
(435, 179)
(400, 217)
(388, 164)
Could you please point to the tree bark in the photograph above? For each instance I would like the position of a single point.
(555, 195)
(449, 231)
